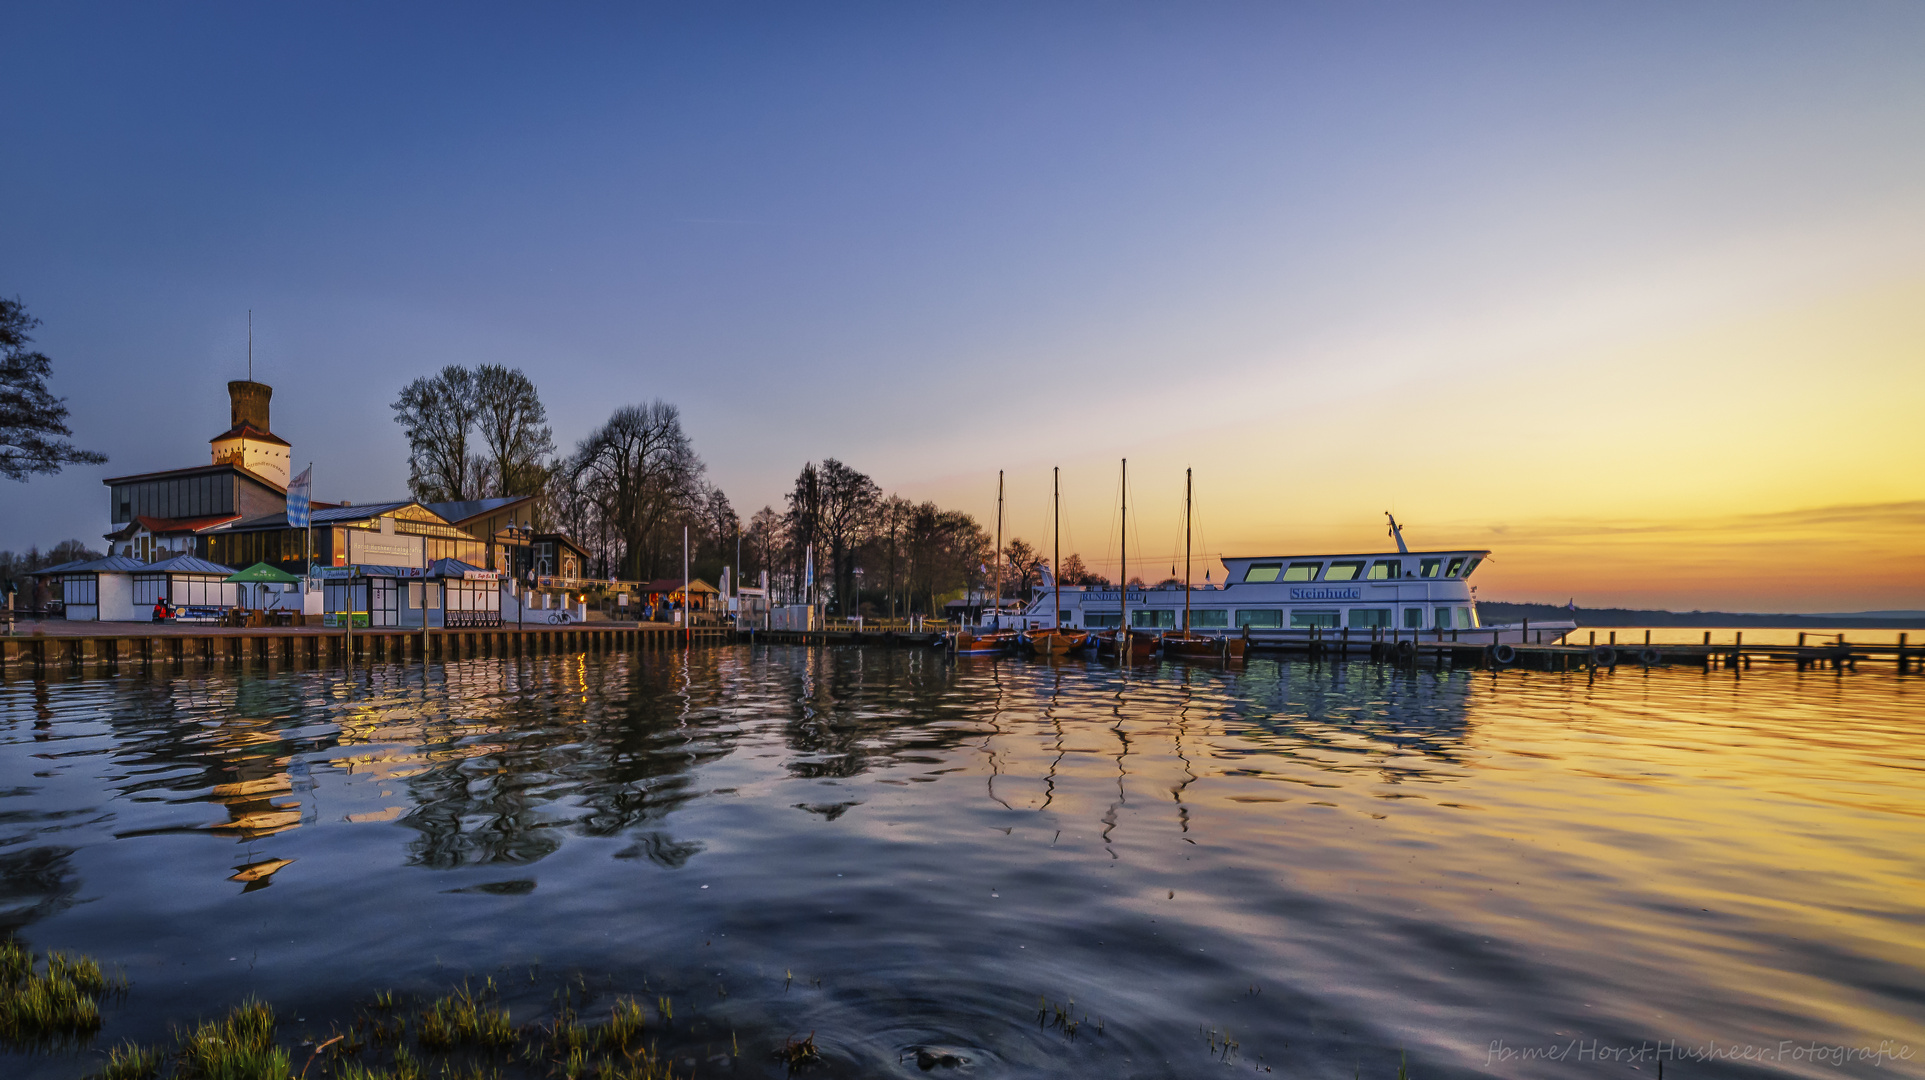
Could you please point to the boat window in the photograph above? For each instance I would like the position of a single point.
(1455, 565)
(1210, 618)
(1102, 619)
(1466, 618)
(1302, 571)
(1413, 618)
(1305, 620)
(1262, 572)
(1386, 569)
(1344, 571)
(1443, 618)
(1471, 565)
(1369, 618)
(1261, 619)
(1153, 619)
(1063, 616)
(1428, 568)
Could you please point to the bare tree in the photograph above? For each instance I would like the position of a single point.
(32, 421)
(436, 411)
(1024, 565)
(764, 545)
(641, 472)
(514, 430)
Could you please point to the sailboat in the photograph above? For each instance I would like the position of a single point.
(1136, 647)
(996, 640)
(1054, 640)
(1187, 642)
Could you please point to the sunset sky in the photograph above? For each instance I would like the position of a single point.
(1633, 294)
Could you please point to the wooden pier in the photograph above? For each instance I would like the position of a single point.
(1463, 649)
(41, 655)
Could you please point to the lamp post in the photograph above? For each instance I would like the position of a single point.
(519, 536)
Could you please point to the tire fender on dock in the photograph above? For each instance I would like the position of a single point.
(1604, 656)
(1503, 655)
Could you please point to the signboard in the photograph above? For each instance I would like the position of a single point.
(1113, 596)
(298, 492)
(391, 549)
(339, 618)
(1326, 593)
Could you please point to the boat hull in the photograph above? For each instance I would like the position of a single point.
(1361, 641)
(965, 643)
(1056, 642)
(1202, 647)
(1140, 647)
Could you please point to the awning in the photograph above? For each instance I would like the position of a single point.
(261, 572)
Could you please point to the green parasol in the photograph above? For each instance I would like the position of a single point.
(261, 572)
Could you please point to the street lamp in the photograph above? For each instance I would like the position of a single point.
(519, 536)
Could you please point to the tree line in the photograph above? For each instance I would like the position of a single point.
(628, 489)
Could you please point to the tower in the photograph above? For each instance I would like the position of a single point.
(249, 442)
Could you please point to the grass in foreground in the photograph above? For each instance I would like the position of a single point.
(57, 1000)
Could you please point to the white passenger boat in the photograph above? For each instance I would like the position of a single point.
(1338, 600)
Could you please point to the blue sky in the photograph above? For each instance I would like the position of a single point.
(1298, 247)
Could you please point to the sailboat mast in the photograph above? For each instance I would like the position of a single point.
(999, 549)
(1123, 617)
(1056, 546)
(1186, 551)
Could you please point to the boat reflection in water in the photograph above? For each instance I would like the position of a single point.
(1339, 863)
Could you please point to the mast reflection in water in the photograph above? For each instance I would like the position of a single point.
(1337, 864)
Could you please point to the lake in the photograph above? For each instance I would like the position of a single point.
(1321, 869)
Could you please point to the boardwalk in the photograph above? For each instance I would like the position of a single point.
(38, 655)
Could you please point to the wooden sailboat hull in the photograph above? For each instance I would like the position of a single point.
(1202, 647)
(968, 644)
(1056, 642)
(1141, 646)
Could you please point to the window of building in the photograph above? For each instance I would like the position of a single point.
(417, 596)
(1260, 573)
(1455, 565)
(1153, 619)
(80, 589)
(1302, 571)
(1305, 620)
(1210, 618)
(199, 590)
(1413, 618)
(149, 589)
(339, 596)
(1386, 570)
(1369, 618)
(1443, 618)
(1260, 619)
(1343, 571)
(1429, 567)
(1471, 565)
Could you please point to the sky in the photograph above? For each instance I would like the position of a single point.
(1631, 294)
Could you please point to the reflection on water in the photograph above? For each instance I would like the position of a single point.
(1335, 863)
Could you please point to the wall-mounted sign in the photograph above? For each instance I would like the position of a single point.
(1113, 596)
(1323, 593)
